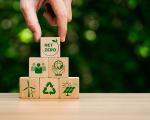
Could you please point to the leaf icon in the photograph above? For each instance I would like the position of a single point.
(54, 40)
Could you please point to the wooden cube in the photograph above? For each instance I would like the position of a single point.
(69, 87)
(49, 88)
(50, 47)
(29, 87)
(38, 67)
(58, 67)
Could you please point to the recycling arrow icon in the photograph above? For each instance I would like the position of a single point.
(47, 91)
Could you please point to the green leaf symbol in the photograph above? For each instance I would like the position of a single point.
(54, 40)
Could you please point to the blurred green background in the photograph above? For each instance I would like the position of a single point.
(108, 44)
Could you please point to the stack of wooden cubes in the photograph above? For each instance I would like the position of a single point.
(48, 74)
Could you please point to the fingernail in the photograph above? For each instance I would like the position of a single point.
(62, 41)
(36, 37)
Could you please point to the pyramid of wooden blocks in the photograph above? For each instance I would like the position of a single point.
(49, 74)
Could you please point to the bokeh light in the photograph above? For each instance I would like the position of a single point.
(108, 45)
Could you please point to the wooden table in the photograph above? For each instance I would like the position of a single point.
(91, 106)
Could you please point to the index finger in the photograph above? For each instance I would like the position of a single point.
(61, 15)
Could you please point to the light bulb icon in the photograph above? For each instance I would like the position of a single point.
(58, 68)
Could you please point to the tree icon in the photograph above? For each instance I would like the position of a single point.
(38, 68)
(30, 89)
(49, 89)
(58, 68)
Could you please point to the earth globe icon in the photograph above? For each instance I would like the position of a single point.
(58, 68)
(58, 65)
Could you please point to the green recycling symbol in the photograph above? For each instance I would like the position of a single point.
(46, 89)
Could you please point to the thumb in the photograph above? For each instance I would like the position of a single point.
(29, 13)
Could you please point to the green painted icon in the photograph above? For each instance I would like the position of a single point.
(68, 91)
(38, 68)
(68, 88)
(51, 48)
(49, 89)
(30, 90)
(58, 68)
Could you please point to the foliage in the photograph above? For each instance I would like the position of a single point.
(108, 44)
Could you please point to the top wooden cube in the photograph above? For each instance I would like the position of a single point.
(50, 47)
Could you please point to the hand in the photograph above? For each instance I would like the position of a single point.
(58, 12)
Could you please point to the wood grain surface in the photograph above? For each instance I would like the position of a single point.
(90, 106)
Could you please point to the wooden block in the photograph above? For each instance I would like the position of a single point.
(49, 88)
(38, 67)
(58, 67)
(69, 87)
(29, 87)
(50, 47)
